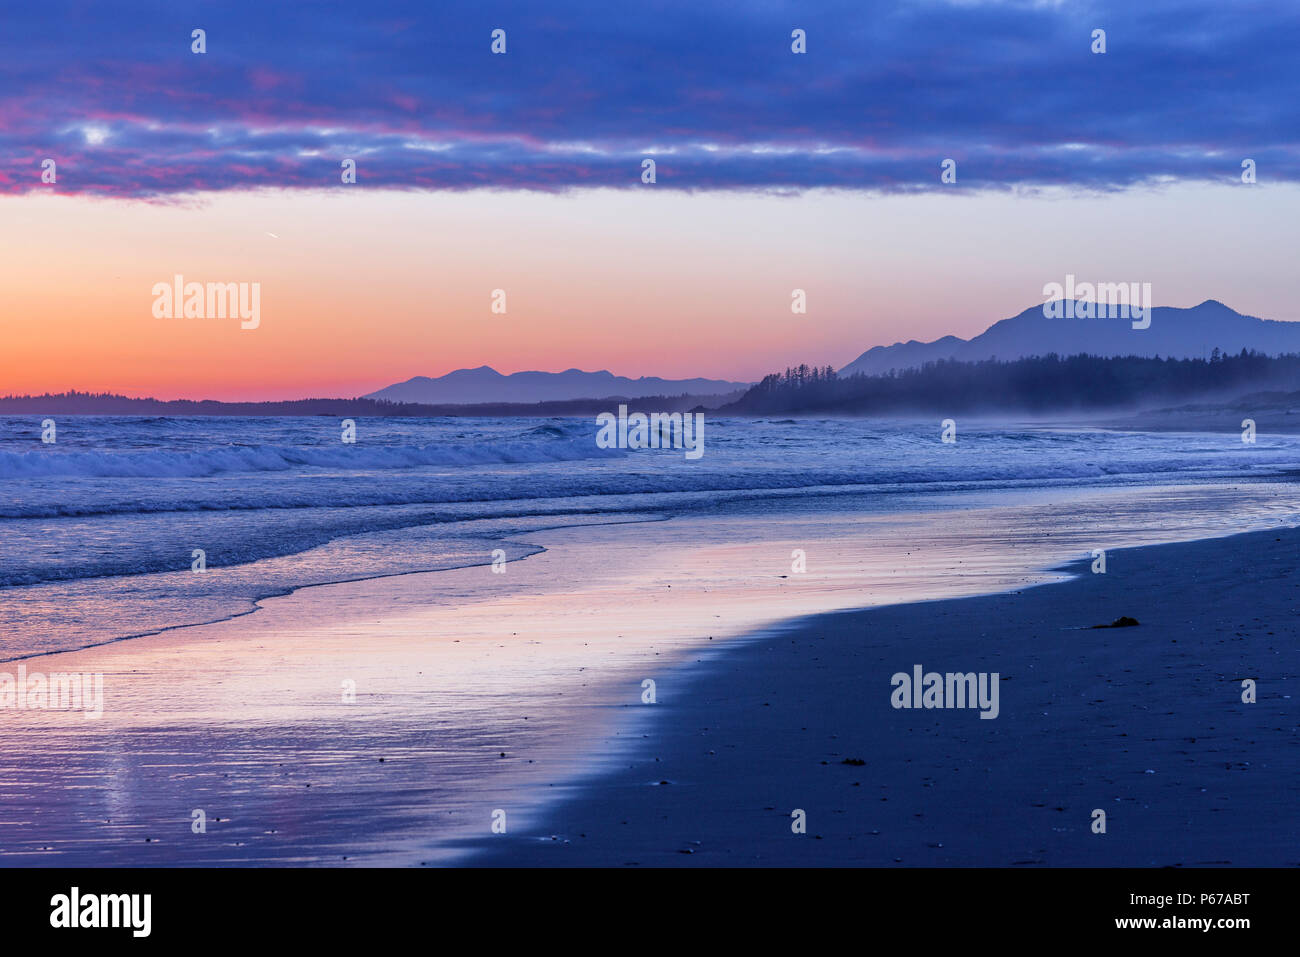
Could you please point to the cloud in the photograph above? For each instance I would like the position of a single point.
(712, 91)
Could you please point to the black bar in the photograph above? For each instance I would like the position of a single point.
(967, 906)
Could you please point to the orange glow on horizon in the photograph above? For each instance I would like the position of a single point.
(361, 288)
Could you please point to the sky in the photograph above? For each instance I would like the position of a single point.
(522, 171)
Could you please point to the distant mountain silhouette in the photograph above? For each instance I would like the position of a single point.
(1174, 333)
(485, 384)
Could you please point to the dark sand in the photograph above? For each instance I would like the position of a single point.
(1146, 723)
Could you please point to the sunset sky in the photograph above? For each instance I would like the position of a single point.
(522, 172)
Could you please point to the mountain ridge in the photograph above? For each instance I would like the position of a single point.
(486, 384)
(1177, 332)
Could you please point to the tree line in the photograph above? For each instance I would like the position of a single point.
(1050, 383)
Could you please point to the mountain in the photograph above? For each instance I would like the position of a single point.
(485, 384)
(1173, 333)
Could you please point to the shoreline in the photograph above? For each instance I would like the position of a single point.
(236, 716)
(1146, 723)
(255, 604)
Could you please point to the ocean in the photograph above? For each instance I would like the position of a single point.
(103, 531)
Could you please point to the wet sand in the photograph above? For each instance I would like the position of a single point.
(1145, 723)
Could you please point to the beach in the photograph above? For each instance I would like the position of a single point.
(475, 715)
(1145, 723)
